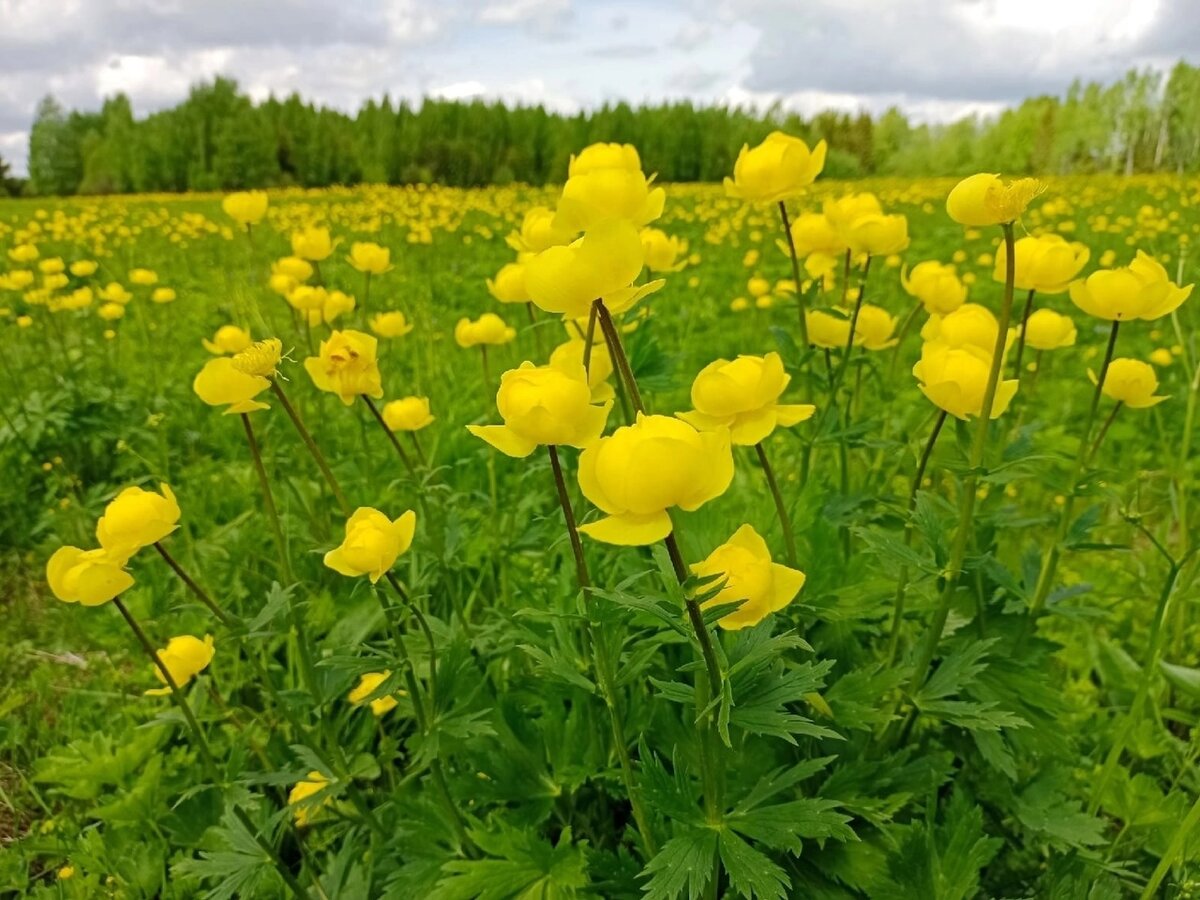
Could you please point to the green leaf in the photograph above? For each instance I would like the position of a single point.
(1184, 678)
(684, 862)
(751, 873)
(1045, 807)
(783, 825)
(520, 866)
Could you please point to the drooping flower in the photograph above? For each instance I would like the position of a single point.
(372, 544)
(746, 573)
(640, 471)
(185, 657)
(544, 405)
(743, 396)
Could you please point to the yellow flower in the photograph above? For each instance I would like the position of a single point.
(373, 543)
(955, 379)
(746, 573)
(640, 471)
(109, 312)
(228, 339)
(538, 231)
(293, 267)
(143, 277)
(597, 195)
(601, 264)
(1161, 356)
(163, 295)
(307, 298)
(66, 872)
(221, 383)
(23, 253)
(600, 156)
(392, 324)
(301, 794)
(115, 293)
(245, 207)
(971, 325)
(313, 243)
(874, 328)
(661, 251)
(346, 365)
(370, 258)
(826, 330)
(52, 266)
(758, 286)
(936, 285)
(823, 266)
(842, 212)
(1130, 381)
(1044, 264)
(779, 168)
(137, 518)
(1048, 330)
(261, 358)
(87, 577)
(549, 405)
(814, 233)
(599, 366)
(509, 284)
(877, 234)
(367, 685)
(407, 414)
(334, 304)
(1141, 290)
(743, 396)
(84, 268)
(185, 657)
(488, 329)
(984, 199)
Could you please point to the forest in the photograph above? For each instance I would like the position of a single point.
(219, 139)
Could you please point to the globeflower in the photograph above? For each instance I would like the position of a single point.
(115, 293)
(87, 577)
(368, 684)
(842, 212)
(370, 258)
(544, 405)
(599, 366)
(1044, 264)
(163, 295)
(110, 312)
(971, 325)
(597, 195)
(300, 794)
(407, 414)
(746, 573)
(826, 330)
(1141, 290)
(143, 277)
(642, 470)
(955, 379)
(313, 243)
(936, 285)
(52, 266)
(23, 253)
(334, 304)
(489, 329)
(814, 233)
(185, 657)
(245, 207)
(137, 518)
(986, 200)
(600, 156)
(84, 268)
(1130, 381)
(779, 168)
(601, 264)
(220, 383)
(228, 339)
(293, 267)
(874, 328)
(743, 396)
(261, 358)
(877, 234)
(509, 284)
(373, 543)
(392, 324)
(346, 364)
(538, 231)
(1048, 330)
(662, 251)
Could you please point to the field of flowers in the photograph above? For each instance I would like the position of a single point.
(844, 548)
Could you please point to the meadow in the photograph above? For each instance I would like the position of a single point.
(985, 683)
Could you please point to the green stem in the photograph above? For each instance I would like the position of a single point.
(391, 435)
(311, 445)
(615, 349)
(1025, 313)
(785, 521)
(1046, 576)
(791, 242)
(589, 338)
(1178, 839)
(192, 586)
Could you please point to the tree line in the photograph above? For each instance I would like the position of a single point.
(218, 139)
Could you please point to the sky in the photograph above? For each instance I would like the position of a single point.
(936, 59)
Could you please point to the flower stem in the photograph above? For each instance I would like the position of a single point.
(313, 449)
(1182, 832)
(537, 333)
(487, 372)
(1046, 576)
(613, 338)
(589, 337)
(785, 520)
(1021, 337)
(391, 435)
(791, 242)
(203, 748)
(272, 510)
(601, 656)
(902, 579)
(966, 512)
(192, 586)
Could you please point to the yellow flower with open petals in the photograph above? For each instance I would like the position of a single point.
(313, 243)
(1141, 290)
(603, 263)
(407, 414)
(955, 380)
(1045, 264)
(370, 258)
(220, 383)
(779, 168)
(347, 364)
(936, 285)
(87, 577)
(509, 284)
(743, 396)
(301, 794)
(372, 544)
(391, 324)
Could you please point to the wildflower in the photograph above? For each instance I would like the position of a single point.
(1044, 264)
(1141, 290)
(746, 573)
(260, 358)
(392, 324)
(185, 657)
(293, 267)
(163, 295)
(407, 414)
(367, 685)
(488, 329)
(347, 365)
(599, 367)
(228, 339)
(137, 518)
(661, 251)
(23, 253)
(222, 383)
(603, 263)
(373, 543)
(877, 234)
(970, 325)
(370, 258)
(84, 268)
(87, 577)
(509, 284)
(874, 328)
(300, 795)
(743, 396)
(936, 285)
(1130, 381)
(814, 233)
(955, 379)
(779, 168)
(313, 243)
(143, 277)
(538, 231)
(245, 207)
(986, 200)
(826, 330)
(640, 471)
(544, 405)
(109, 312)
(595, 193)
(1048, 330)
